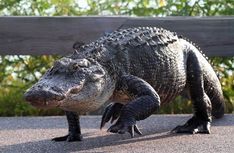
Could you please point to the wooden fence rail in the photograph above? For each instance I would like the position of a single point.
(55, 35)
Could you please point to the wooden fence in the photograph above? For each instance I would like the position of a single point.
(56, 35)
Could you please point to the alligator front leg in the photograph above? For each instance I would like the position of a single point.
(74, 132)
(145, 102)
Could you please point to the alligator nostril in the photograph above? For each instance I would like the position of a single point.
(74, 90)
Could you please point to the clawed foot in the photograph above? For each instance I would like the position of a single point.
(124, 126)
(193, 126)
(112, 112)
(69, 138)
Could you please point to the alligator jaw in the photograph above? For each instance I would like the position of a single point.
(46, 104)
(43, 98)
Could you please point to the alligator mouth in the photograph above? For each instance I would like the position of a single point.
(46, 104)
(50, 98)
(44, 99)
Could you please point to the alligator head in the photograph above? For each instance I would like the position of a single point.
(72, 84)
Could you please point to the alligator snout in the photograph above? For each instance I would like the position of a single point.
(43, 97)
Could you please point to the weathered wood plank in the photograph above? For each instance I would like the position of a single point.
(55, 35)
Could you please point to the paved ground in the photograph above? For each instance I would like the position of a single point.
(33, 134)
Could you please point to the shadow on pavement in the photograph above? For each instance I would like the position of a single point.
(86, 144)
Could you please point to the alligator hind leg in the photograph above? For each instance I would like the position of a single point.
(145, 102)
(74, 133)
(200, 122)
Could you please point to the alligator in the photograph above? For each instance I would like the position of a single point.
(136, 70)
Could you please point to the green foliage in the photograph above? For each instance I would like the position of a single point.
(17, 73)
(225, 69)
(12, 104)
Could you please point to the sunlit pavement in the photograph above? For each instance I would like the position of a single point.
(33, 135)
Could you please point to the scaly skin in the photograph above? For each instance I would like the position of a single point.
(140, 68)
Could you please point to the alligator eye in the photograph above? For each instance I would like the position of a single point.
(84, 63)
(75, 66)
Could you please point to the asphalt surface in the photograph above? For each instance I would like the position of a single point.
(33, 135)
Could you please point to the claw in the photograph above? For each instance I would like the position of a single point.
(175, 129)
(106, 116)
(136, 129)
(112, 111)
(131, 131)
(63, 138)
(109, 130)
(72, 138)
(114, 117)
(68, 138)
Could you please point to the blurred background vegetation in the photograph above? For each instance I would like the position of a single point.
(17, 73)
